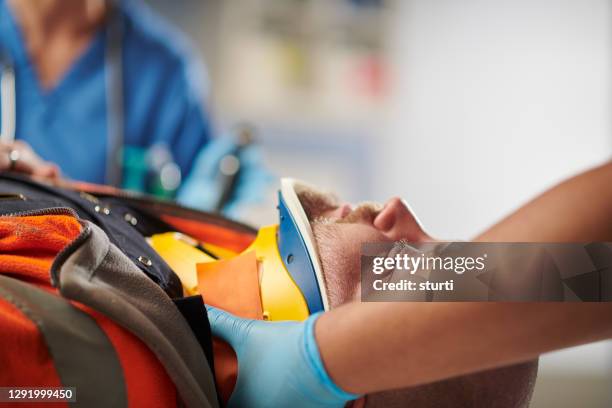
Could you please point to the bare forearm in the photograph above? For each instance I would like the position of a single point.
(378, 346)
(579, 209)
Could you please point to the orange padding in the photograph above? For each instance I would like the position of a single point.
(25, 359)
(28, 246)
(231, 285)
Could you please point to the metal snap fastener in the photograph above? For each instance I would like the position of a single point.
(104, 210)
(145, 261)
(130, 219)
(89, 197)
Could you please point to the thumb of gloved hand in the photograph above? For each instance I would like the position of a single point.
(228, 327)
(278, 363)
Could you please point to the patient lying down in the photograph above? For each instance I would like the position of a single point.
(339, 232)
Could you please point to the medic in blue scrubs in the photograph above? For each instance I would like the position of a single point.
(146, 90)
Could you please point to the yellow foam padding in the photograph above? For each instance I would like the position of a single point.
(219, 252)
(180, 254)
(280, 296)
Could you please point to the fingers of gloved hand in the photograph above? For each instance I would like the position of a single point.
(228, 327)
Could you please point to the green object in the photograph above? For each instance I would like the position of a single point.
(151, 170)
(135, 169)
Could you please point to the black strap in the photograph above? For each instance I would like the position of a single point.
(111, 217)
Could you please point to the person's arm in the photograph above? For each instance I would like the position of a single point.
(378, 346)
(368, 347)
(578, 209)
(483, 335)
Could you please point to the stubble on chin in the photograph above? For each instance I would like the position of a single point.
(341, 275)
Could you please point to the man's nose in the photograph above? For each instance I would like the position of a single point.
(397, 222)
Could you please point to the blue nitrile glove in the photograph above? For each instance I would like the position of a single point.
(279, 364)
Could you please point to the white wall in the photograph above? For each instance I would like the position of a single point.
(495, 101)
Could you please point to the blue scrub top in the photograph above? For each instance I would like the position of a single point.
(164, 85)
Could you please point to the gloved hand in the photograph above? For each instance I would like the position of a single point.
(279, 364)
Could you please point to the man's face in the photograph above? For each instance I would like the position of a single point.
(339, 232)
(341, 229)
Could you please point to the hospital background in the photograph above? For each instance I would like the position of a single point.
(465, 108)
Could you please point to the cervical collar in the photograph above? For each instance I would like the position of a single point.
(285, 272)
(298, 249)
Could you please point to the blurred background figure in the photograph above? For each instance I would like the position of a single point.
(465, 108)
(111, 93)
